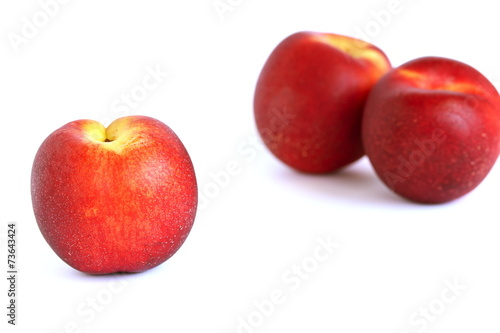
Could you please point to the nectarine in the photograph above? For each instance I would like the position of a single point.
(309, 99)
(116, 199)
(431, 129)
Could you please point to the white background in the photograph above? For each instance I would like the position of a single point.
(267, 221)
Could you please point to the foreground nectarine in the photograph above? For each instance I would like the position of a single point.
(116, 199)
(431, 129)
(309, 99)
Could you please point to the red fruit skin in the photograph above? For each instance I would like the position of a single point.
(309, 99)
(431, 129)
(114, 210)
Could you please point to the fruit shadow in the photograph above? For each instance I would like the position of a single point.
(75, 274)
(356, 184)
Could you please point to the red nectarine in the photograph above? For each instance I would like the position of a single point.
(431, 129)
(309, 99)
(116, 199)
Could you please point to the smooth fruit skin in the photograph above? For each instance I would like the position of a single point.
(309, 99)
(121, 199)
(431, 129)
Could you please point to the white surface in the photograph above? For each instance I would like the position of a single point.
(394, 257)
